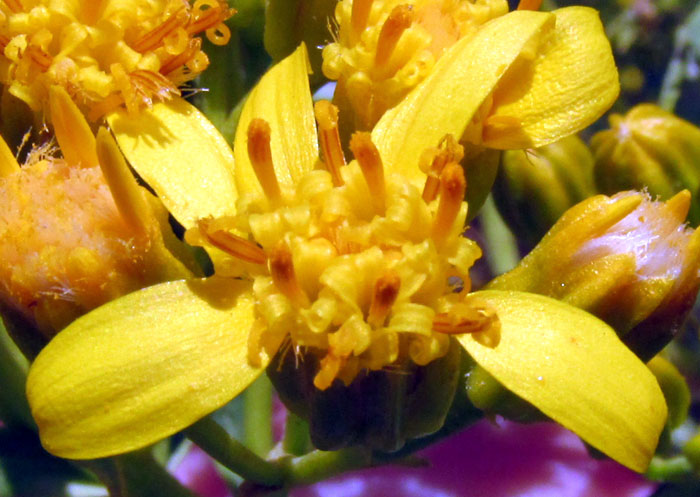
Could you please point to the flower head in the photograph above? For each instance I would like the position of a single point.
(347, 263)
(106, 54)
(76, 231)
(384, 48)
(549, 74)
(649, 148)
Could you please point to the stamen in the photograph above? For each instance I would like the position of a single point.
(282, 272)
(14, 5)
(448, 151)
(327, 118)
(39, 57)
(529, 4)
(452, 188)
(194, 45)
(8, 163)
(370, 162)
(360, 15)
(386, 289)
(234, 245)
(398, 21)
(261, 157)
(474, 317)
(154, 38)
(126, 192)
(208, 14)
(72, 130)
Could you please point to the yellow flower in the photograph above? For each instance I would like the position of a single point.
(106, 53)
(75, 231)
(386, 49)
(347, 262)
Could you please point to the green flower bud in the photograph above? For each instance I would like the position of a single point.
(535, 187)
(379, 409)
(630, 261)
(649, 148)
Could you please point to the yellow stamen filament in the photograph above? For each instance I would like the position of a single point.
(14, 5)
(476, 318)
(449, 151)
(386, 289)
(398, 21)
(327, 117)
(194, 45)
(360, 15)
(370, 162)
(261, 157)
(210, 14)
(452, 188)
(39, 57)
(154, 38)
(72, 130)
(529, 4)
(127, 194)
(282, 272)
(8, 163)
(234, 245)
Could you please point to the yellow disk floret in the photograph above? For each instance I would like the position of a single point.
(359, 271)
(384, 48)
(106, 53)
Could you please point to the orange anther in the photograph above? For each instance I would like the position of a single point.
(370, 162)
(327, 118)
(360, 15)
(234, 245)
(282, 272)
(386, 289)
(529, 4)
(261, 157)
(398, 21)
(453, 185)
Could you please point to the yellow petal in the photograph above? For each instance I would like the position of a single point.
(283, 99)
(461, 81)
(72, 130)
(571, 83)
(182, 156)
(142, 367)
(572, 367)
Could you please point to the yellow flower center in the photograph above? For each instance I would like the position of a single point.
(106, 53)
(352, 264)
(386, 47)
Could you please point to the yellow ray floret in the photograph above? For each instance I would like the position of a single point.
(106, 53)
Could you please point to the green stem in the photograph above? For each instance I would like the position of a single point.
(296, 435)
(214, 440)
(320, 465)
(501, 249)
(139, 475)
(257, 416)
(14, 408)
(672, 469)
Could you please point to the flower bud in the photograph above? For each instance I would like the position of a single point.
(651, 149)
(626, 259)
(535, 187)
